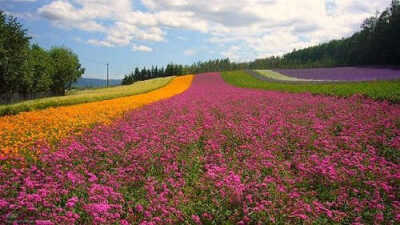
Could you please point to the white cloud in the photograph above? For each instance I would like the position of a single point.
(141, 48)
(259, 27)
(88, 15)
(232, 53)
(100, 43)
(270, 27)
(189, 52)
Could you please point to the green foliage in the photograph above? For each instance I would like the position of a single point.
(14, 47)
(154, 72)
(85, 96)
(379, 90)
(67, 69)
(42, 69)
(28, 71)
(217, 65)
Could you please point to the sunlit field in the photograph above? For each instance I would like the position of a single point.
(245, 112)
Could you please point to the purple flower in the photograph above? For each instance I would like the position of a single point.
(343, 73)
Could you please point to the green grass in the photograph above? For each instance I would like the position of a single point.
(85, 96)
(378, 90)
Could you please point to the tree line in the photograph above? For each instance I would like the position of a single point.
(29, 71)
(175, 69)
(153, 72)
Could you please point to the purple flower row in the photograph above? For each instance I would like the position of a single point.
(219, 154)
(344, 73)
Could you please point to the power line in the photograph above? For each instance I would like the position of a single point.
(107, 76)
(107, 81)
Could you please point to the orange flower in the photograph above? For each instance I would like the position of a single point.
(21, 132)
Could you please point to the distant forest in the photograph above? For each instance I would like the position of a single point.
(376, 44)
(175, 69)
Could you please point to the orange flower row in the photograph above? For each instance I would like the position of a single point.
(21, 132)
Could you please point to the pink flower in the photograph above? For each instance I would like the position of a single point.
(124, 222)
(3, 203)
(139, 208)
(43, 222)
(92, 177)
(301, 216)
(196, 219)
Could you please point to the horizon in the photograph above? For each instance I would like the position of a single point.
(142, 33)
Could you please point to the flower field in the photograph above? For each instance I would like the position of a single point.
(343, 73)
(22, 133)
(218, 154)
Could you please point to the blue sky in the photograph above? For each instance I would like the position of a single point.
(130, 33)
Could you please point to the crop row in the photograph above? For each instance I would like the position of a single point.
(344, 73)
(22, 133)
(217, 154)
(85, 96)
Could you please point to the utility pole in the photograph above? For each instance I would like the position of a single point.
(107, 76)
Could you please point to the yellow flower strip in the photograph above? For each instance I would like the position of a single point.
(21, 132)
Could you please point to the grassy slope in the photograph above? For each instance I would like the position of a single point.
(379, 90)
(86, 96)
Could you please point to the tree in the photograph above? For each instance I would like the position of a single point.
(128, 79)
(169, 70)
(42, 69)
(67, 69)
(14, 48)
(137, 74)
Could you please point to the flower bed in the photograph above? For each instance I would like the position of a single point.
(217, 154)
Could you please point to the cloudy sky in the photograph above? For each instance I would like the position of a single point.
(129, 33)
